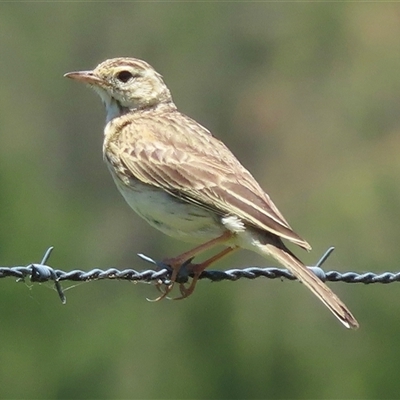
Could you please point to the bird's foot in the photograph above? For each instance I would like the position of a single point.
(180, 272)
(196, 270)
(182, 269)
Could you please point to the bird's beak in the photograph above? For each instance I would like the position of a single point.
(84, 76)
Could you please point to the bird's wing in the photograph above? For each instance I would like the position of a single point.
(178, 155)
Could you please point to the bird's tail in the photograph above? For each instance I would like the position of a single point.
(304, 275)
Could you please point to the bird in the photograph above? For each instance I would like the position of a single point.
(183, 181)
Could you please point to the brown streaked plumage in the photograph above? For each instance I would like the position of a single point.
(187, 183)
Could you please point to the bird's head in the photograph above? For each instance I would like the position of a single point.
(125, 84)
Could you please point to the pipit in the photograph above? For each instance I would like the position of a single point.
(183, 181)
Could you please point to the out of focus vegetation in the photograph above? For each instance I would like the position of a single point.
(307, 95)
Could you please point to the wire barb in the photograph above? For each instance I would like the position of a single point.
(42, 272)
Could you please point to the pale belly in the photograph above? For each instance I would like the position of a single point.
(171, 216)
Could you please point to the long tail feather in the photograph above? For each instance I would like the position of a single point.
(304, 275)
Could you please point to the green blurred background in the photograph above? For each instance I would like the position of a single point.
(307, 95)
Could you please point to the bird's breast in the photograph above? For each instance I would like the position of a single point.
(167, 213)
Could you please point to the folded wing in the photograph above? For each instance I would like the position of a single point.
(176, 154)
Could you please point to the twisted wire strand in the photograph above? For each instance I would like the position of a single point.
(41, 272)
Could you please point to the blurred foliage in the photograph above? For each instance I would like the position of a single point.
(307, 95)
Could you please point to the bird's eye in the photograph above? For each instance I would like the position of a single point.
(124, 76)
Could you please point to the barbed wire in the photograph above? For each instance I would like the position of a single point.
(41, 272)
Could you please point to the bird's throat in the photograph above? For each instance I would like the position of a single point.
(115, 109)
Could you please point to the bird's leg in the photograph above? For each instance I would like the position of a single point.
(179, 260)
(176, 262)
(197, 269)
